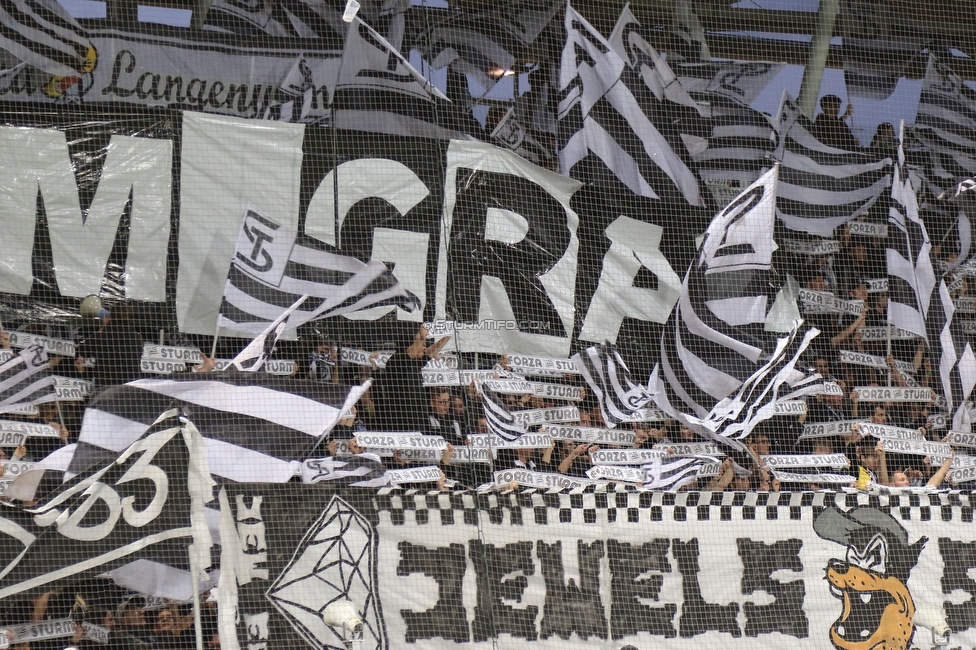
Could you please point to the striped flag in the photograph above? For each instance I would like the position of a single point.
(672, 474)
(254, 425)
(946, 125)
(25, 379)
(821, 188)
(361, 470)
(600, 115)
(163, 470)
(500, 422)
(719, 351)
(738, 148)
(43, 33)
(272, 269)
(911, 277)
(609, 378)
(253, 356)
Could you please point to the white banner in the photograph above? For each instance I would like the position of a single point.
(171, 353)
(877, 285)
(70, 389)
(31, 429)
(96, 633)
(40, 630)
(828, 429)
(525, 441)
(414, 474)
(819, 302)
(616, 473)
(915, 447)
(393, 440)
(462, 454)
(691, 448)
(825, 478)
(595, 435)
(961, 439)
(647, 414)
(867, 229)
(833, 388)
(534, 417)
(430, 378)
(965, 304)
(161, 367)
(626, 456)
(962, 475)
(509, 386)
(791, 407)
(938, 421)
(526, 478)
(557, 391)
(528, 364)
(357, 357)
(893, 394)
(873, 361)
(887, 431)
(14, 468)
(805, 247)
(966, 326)
(342, 451)
(881, 334)
(811, 460)
(53, 346)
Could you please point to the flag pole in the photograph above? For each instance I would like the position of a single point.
(197, 624)
(213, 348)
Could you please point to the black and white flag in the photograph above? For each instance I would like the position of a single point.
(255, 426)
(821, 188)
(911, 276)
(722, 335)
(609, 378)
(599, 114)
(44, 35)
(272, 269)
(361, 470)
(500, 421)
(90, 525)
(674, 473)
(946, 125)
(485, 44)
(737, 149)
(25, 380)
(255, 353)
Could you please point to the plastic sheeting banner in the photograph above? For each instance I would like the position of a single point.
(117, 207)
(597, 569)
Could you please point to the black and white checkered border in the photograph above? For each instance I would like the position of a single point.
(599, 505)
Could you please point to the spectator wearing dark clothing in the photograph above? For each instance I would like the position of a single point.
(400, 395)
(115, 348)
(831, 128)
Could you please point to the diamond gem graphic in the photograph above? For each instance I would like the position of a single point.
(335, 560)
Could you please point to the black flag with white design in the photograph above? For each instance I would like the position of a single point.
(911, 276)
(254, 424)
(25, 380)
(609, 378)
(361, 470)
(258, 351)
(500, 421)
(91, 526)
(43, 34)
(721, 342)
(946, 125)
(821, 188)
(600, 115)
(288, 552)
(273, 268)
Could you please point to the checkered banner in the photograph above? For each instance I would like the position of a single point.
(594, 567)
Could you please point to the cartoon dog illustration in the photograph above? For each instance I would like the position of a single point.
(877, 606)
